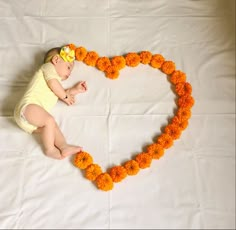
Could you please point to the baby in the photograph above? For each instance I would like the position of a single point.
(44, 90)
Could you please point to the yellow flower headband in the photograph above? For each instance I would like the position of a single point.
(67, 53)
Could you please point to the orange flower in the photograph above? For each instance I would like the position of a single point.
(104, 182)
(145, 57)
(165, 140)
(157, 61)
(181, 123)
(173, 130)
(72, 46)
(156, 151)
(118, 62)
(144, 160)
(132, 59)
(183, 114)
(132, 167)
(91, 58)
(118, 173)
(177, 76)
(80, 53)
(112, 72)
(183, 88)
(103, 63)
(83, 160)
(186, 101)
(168, 67)
(93, 171)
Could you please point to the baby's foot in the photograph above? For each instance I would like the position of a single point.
(70, 150)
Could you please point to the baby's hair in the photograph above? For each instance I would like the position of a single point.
(52, 52)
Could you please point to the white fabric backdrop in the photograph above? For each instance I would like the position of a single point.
(192, 186)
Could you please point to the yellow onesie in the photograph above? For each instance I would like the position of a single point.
(37, 93)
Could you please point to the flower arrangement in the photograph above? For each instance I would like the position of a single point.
(172, 131)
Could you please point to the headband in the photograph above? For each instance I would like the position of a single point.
(67, 53)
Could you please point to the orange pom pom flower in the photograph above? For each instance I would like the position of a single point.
(112, 72)
(186, 101)
(145, 57)
(72, 46)
(103, 63)
(157, 61)
(168, 67)
(173, 130)
(91, 58)
(183, 124)
(80, 53)
(144, 160)
(93, 171)
(118, 173)
(183, 88)
(132, 59)
(156, 151)
(104, 182)
(183, 114)
(82, 160)
(177, 76)
(118, 62)
(165, 140)
(132, 167)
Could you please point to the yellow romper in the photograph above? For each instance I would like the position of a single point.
(37, 93)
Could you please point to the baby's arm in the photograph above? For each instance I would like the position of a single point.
(60, 92)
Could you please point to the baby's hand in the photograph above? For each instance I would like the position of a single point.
(69, 99)
(81, 87)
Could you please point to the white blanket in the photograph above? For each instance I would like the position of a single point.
(192, 186)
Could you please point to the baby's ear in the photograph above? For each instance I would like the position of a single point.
(55, 59)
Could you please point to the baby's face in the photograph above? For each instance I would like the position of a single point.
(64, 68)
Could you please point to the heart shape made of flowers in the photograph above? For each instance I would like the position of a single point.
(179, 122)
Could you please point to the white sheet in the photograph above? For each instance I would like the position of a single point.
(192, 186)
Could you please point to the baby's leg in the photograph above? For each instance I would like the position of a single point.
(39, 117)
(60, 143)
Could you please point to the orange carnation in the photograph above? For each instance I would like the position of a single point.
(183, 88)
(144, 160)
(104, 182)
(103, 63)
(186, 101)
(165, 140)
(112, 72)
(181, 123)
(83, 160)
(173, 130)
(93, 171)
(118, 173)
(183, 114)
(157, 61)
(145, 57)
(132, 167)
(156, 151)
(80, 53)
(132, 59)
(168, 67)
(118, 62)
(91, 58)
(177, 76)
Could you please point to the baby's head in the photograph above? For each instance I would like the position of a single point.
(63, 60)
